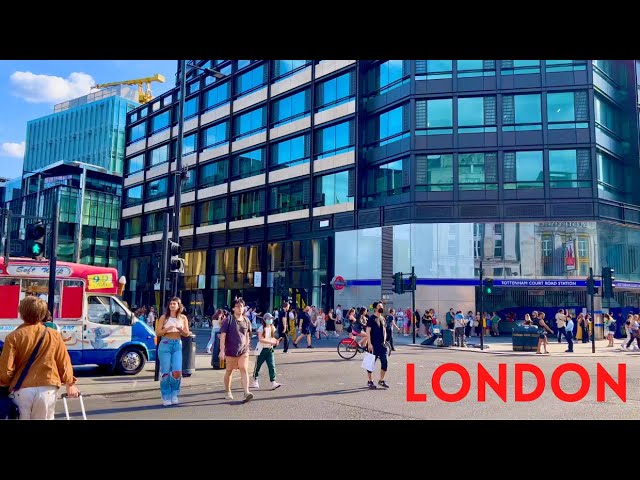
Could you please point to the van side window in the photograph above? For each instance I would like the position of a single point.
(99, 310)
(118, 314)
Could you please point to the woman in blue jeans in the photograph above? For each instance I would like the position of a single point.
(170, 327)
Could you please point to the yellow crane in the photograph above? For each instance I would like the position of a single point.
(143, 96)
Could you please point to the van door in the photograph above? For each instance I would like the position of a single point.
(107, 328)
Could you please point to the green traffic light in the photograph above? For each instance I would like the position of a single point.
(488, 290)
(36, 249)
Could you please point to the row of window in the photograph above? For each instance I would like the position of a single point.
(328, 94)
(336, 188)
(479, 114)
(479, 171)
(329, 141)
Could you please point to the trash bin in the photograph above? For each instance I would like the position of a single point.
(525, 338)
(215, 359)
(447, 338)
(188, 355)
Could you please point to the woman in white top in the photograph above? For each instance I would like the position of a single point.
(321, 324)
(266, 343)
(170, 327)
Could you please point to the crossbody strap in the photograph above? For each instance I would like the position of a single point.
(30, 362)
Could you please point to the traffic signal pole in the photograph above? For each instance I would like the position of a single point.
(593, 314)
(481, 309)
(163, 286)
(53, 254)
(413, 303)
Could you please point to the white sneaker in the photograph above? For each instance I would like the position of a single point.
(275, 385)
(174, 400)
(228, 396)
(255, 384)
(166, 403)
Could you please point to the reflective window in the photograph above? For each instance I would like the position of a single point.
(159, 155)
(250, 123)
(215, 135)
(565, 65)
(387, 179)
(189, 144)
(191, 107)
(523, 170)
(134, 164)
(611, 175)
(251, 80)
(290, 108)
(289, 197)
(433, 69)
(247, 205)
(334, 140)
(286, 67)
(609, 118)
(434, 117)
(154, 222)
(132, 196)
(476, 115)
(391, 127)
(213, 211)
(242, 63)
(335, 91)
(521, 112)
(132, 227)
(439, 173)
(294, 151)
(186, 216)
(216, 96)
(156, 189)
(476, 68)
(520, 67)
(389, 75)
(248, 164)
(160, 122)
(563, 169)
(333, 189)
(214, 173)
(477, 171)
(560, 107)
(137, 132)
(190, 183)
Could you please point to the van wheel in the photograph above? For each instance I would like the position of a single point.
(130, 361)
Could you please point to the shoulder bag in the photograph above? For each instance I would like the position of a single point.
(8, 408)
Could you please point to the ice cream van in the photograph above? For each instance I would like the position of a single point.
(96, 326)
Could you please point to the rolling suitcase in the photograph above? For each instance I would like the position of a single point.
(66, 407)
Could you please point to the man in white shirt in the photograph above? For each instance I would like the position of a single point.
(568, 332)
(561, 324)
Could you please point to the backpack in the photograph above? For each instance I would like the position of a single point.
(612, 326)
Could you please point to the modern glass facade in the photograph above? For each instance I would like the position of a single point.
(364, 168)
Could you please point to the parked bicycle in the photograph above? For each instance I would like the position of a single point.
(349, 348)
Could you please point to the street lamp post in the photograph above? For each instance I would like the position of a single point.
(179, 174)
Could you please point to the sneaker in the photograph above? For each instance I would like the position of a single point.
(255, 384)
(166, 403)
(295, 344)
(174, 400)
(275, 385)
(371, 385)
(309, 346)
(228, 396)
(383, 384)
(247, 397)
(568, 351)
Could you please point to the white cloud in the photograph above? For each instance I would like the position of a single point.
(11, 149)
(50, 89)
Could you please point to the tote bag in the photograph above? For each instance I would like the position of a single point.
(369, 362)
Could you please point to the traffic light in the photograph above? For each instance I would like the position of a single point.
(488, 286)
(591, 286)
(398, 283)
(412, 282)
(176, 264)
(608, 276)
(35, 239)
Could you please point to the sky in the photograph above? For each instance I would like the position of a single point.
(30, 88)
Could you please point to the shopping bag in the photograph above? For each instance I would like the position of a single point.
(369, 362)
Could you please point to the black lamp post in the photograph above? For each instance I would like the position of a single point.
(179, 173)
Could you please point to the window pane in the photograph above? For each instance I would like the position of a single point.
(529, 166)
(560, 107)
(470, 65)
(439, 113)
(563, 168)
(527, 108)
(470, 111)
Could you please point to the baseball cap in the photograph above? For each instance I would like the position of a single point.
(267, 316)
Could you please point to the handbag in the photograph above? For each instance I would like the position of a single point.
(369, 362)
(8, 408)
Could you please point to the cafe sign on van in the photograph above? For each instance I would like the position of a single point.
(36, 270)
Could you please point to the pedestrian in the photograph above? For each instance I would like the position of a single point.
(568, 332)
(543, 328)
(282, 324)
(266, 344)
(171, 326)
(48, 322)
(305, 327)
(216, 319)
(35, 394)
(495, 324)
(339, 320)
(561, 320)
(151, 318)
(390, 325)
(376, 338)
(458, 326)
(235, 338)
(468, 325)
(610, 326)
(330, 321)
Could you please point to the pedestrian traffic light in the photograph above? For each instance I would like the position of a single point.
(488, 286)
(591, 286)
(413, 280)
(398, 283)
(176, 264)
(608, 276)
(35, 239)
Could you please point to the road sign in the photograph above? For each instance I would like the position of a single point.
(338, 282)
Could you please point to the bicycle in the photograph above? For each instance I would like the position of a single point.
(349, 348)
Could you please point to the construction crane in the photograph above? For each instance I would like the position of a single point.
(143, 96)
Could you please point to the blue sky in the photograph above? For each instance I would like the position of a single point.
(30, 88)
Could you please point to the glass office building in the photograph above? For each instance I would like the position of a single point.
(303, 170)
